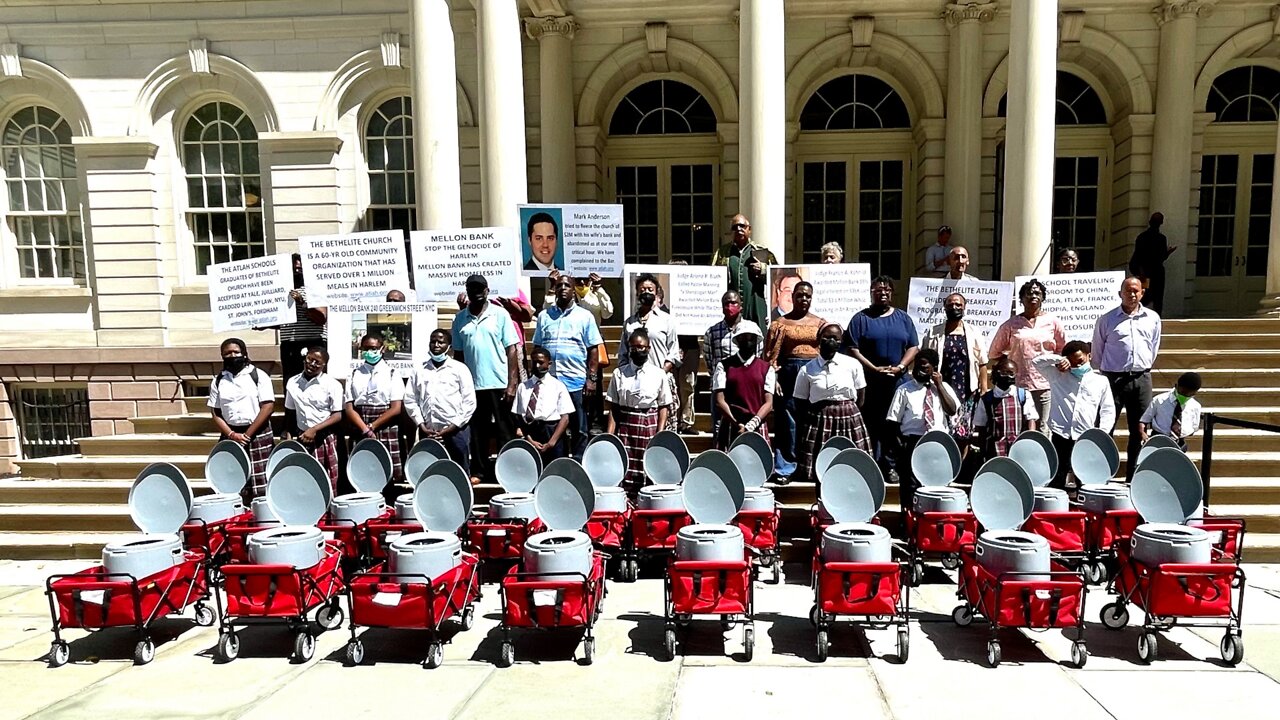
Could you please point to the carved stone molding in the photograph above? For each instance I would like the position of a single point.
(11, 60)
(1070, 26)
(540, 27)
(390, 48)
(198, 54)
(1178, 9)
(956, 13)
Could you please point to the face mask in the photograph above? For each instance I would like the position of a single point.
(746, 352)
(732, 311)
(829, 346)
(647, 298)
(234, 364)
(639, 357)
(540, 371)
(954, 313)
(441, 357)
(1182, 399)
(1081, 371)
(371, 356)
(1004, 382)
(582, 290)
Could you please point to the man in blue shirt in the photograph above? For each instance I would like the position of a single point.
(485, 341)
(570, 334)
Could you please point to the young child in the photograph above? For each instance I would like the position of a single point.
(441, 398)
(542, 407)
(1080, 400)
(1002, 413)
(1175, 413)
(241, 399)
(313, 408)
(638, 402)
(374, 397)
(920, 404)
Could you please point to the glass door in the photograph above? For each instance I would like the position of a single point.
(864, 210)
(668, 211)
(1232, 242)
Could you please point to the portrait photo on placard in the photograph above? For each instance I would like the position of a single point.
(541, 241)
(396, 330)
(664, 284)
(782, 283)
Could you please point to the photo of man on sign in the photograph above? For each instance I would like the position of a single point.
(542, 250)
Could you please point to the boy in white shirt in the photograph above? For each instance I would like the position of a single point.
(441, 398)
(921, 403)
(1080, 400)
(312, 410)
(1175, 413)
(542, 407)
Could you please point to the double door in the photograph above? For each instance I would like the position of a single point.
(1232, 242)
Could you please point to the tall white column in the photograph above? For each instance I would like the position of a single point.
(435, 117)
(762, 122)
(504, 181)
(1028, 199)
(962, 163)
(555, 55)
(1271, 299)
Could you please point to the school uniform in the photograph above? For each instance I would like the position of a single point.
(314, 400)
(1003, 414)
(238, 398)
(636, 393)
(371, 391)
(539, 405)
(1164, 416)
(442, 395)
(828, 390)
(917, 409)
(744, 385)
(1076, 405)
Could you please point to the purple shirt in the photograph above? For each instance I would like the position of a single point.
(1126, 343)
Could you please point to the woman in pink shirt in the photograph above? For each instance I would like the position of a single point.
(1026, 336)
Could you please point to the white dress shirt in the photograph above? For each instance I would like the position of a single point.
(664, 345)
(1124, 342)
(377, 384)
(719, 378)
(441, 396)
(907, 407)
(238, 397)
(313, 400)
(640, 388)
(553, 399)
(1029, 410)
(820, 380)
(1076, 404)
(1159, 415)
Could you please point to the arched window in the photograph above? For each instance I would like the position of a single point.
(388, 144)
(1245, 94)
(224, 185)
(1078, 103)
(44, 195)
(855, 102)
(662, 107)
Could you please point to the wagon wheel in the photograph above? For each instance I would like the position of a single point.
(59, 653)
(507, 658)
(588, 651)
(1147, 647)
(468, 617)
(917, 573)
(435, 656)
(993, 653)
(749, 642)
(229, 647)
(1232, 649)
(824, 645)
(144, 652)
(1079, 654)
(669, 643)
(330, 615)
(962, 615)
(1095, 572)
(1114, 616)
(775, 576)
(814, 615)
(355, 652)
(951, 561)
(204, 615)
(304, 646)
(904, 645)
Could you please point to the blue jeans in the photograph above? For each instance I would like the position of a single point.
(784, 420)
(579, 426)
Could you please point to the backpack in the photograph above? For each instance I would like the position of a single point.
(252, 373)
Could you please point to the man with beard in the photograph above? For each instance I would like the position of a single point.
(748, 269)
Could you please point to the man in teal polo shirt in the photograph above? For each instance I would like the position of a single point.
(485, 341)
(570, 334)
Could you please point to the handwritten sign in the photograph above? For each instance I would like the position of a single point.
(839, 289)
(405, 329)
(1077, 299)
(357, 265)
(581, 239)
(987, 304)
(444, 259)
(692, 292)
(251, 293)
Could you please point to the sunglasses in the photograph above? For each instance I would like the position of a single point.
(739, 226)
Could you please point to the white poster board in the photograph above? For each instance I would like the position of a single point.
(405, 327)
(692, 292)
(1077, 299)
(444, 259)
(251, 293)
(581, 239)
(355, 265)
(987, 304)
(839, 289)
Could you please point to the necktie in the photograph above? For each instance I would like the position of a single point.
(1175, 429)
(533, 402)
(928, 407)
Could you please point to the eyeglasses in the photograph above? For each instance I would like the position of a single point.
(739, 226)
(727, 303)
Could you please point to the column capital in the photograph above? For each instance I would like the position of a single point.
(1171, 10)
(538, 28)
(957, 13)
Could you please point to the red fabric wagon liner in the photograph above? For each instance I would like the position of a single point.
(92, 599)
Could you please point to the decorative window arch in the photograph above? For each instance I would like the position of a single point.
(43, 195)
(388, 144)
(1077, 102)
(662, 107)
(219, 146)
(1246, 94)
(855, 102)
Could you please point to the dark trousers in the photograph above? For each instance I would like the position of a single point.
(458, 445)
(291, 355)
(491, 422)
(1154, 296)
(579, 427)
(875, 407)
(1063, 446)
(541, 431)
(906, 478)
(1132, 393)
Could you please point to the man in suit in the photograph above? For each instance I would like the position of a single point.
(543, 234)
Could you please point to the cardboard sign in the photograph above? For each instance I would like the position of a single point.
(987, 304)
(251, 293)
(581, 239)
(839, 290)
(1077, 299)
(692, 292)
(405, 329)
(357, 265)
(444, 259)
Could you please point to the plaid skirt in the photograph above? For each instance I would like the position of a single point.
(259, 450)
(326, 451)
(635, 428)
(825, 421)
(388, 435)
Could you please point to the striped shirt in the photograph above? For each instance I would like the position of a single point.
(568, 335)
(303, 329)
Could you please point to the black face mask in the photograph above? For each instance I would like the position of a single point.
(1004, 382)
(954, 313)
(747, 351)
(828, 346)
(647, 298)
(639, 357)
(234, 365)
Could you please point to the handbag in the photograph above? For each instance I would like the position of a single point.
(602, 356)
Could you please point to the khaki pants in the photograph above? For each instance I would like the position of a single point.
(687, 384)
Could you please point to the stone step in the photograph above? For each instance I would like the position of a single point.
(159, 445)
(119, 467)
(1262, 519)
(1220, 359)
(83, 517)
(1225, 439)
(1218, 325)
(1244, 490)
(189, 424)
(1263, 379)
(20, 491)
(1213, 341)
(54, 545)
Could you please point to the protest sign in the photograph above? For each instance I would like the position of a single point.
(251, 293)
(839, 289)
(444, 259)
(987, 304)
(692, 292)
(1077, 299)
(581, 239)
(356, 265)
(405, 329)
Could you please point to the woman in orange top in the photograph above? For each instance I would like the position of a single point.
(792, 342)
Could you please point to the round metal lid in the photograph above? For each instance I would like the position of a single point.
(1166, 487)
(518, 466)
(666, 460)
(936, 460)
(299, 492)
(853, 489)
(369, 466)
(564, 497)
(605, 460)
(751, 453)
(1034, 452)
(1155, 442)
(160, 499)
(280, 452)
(443, 498)
(1095, 457)
(1002, 496)
(421, 457)
(830, 449)
(713, 489)
(227, 468)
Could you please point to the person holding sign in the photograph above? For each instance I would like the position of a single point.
(638, 402)
(663, 343)
(441, 399)
(313, 409)
(542, 408)
(569, 334)
(241, 400)
(742, 385)
(792, 344)
(485, 342)
(374, 396)
(829, 391)
(1127, 341)
(748, 269)
(1081, 400)
(308, 330)
(1025, 337)
(1067, 261)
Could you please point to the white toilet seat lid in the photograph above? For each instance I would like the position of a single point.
(564, 496)
(227, 468)
(160, 499)
(299, 492)
(713, 489)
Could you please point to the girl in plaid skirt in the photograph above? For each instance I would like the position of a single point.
(637, 401)
(828, 391)
(313, 409)
(374, 397)
(241, 399)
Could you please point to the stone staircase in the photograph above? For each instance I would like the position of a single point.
(68, 506)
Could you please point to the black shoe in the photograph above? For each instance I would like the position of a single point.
(781, 480)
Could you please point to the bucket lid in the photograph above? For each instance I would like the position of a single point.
(853, 489)
(518, 466)
(160, 499)
(369, 466)
(666, 460)
(227, 468)
(1034, 452)
(713, 489)
(605, 460)
(1002, 496)
(1155, 442)
(830, 449)
(423, 454)
(751, 453)
(936, 459)
(1166, 487)
(280, 452)
(1095, 457)
(564, 497)
(299, 492)
(443, 498)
